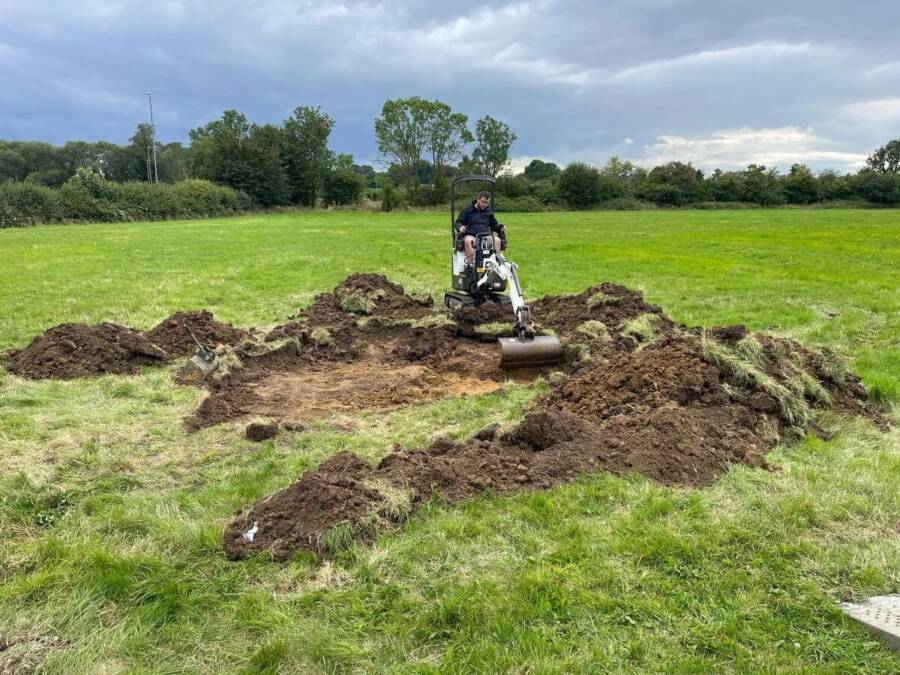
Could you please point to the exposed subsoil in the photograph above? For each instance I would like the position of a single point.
(630, 398)
(72, 350)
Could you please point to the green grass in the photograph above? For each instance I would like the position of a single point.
(111, 515)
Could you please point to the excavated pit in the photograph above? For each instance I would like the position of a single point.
(635, 393)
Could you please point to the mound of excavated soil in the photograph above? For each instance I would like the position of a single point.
(173, 336)
(72, 350)
(640, 394)
(365, 295)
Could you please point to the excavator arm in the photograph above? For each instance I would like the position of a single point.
(527, 349)
(508, 271)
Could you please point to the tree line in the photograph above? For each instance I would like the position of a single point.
(275, 165)
(622, 184)
(422, 145)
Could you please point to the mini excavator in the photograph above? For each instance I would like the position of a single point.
(487, 279)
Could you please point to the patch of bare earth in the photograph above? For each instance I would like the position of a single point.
(635, 393)
(639, 394)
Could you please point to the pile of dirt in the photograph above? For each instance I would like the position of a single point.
(602, 319)
(679, 406)
(174, 333)
(365, 295)
(72, 350)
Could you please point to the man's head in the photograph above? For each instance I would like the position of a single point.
(483, 200)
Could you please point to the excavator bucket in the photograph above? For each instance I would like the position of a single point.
(536, 352)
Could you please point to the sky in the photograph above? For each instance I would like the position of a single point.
(719, 83)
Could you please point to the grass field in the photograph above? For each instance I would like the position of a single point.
(111, 515)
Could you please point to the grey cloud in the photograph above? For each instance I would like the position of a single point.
(574, 79)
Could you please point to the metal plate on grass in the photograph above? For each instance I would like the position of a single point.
(880, 614)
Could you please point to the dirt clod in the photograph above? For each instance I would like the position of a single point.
(260, 431)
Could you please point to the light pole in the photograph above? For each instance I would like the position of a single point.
(153, 136)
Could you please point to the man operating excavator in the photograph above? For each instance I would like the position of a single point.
(478, 218)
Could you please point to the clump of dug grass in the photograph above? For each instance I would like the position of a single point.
(495, 329)
(322, 337)
(594, 329)
(358, 302)
(644, 328)
(780, 373)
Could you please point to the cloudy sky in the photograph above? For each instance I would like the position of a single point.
(718, 83)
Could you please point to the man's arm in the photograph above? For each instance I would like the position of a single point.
(462, 220)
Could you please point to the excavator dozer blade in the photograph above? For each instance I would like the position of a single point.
(538, 352)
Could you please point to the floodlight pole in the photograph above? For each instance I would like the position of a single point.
(153, 135)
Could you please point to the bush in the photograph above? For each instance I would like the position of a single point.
(390, 196)
(524, 204)
(545, 191)
(722, 206)
(879, 188)
(628, 204)
(88, 197)
(27, 202)
(9, 217)
(343, 187)
(580, 185)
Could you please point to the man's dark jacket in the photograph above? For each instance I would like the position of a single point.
(478, 222)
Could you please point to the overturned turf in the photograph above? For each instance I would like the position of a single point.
(639, 394)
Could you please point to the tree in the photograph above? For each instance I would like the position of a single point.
(447, 135)
(12, 164)
(833, 185)
(402, 132)
(306, 154)
(579, 185)
(232, 152)
(725, 186)
(266, 180)
(879, 187)
(367, 172)
(761, 186)
(342, 186)
(800, 186)
(493, 141)
(512, 186)
(540, 170)
(216, 148)
(674, 184)
(621, 178)
(886, 159)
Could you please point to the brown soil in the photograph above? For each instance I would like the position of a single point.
(365, 295)
(636, 393)
(72, 350)
(304, 380)
(172, 334)
(260, 431)
(631, 400)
